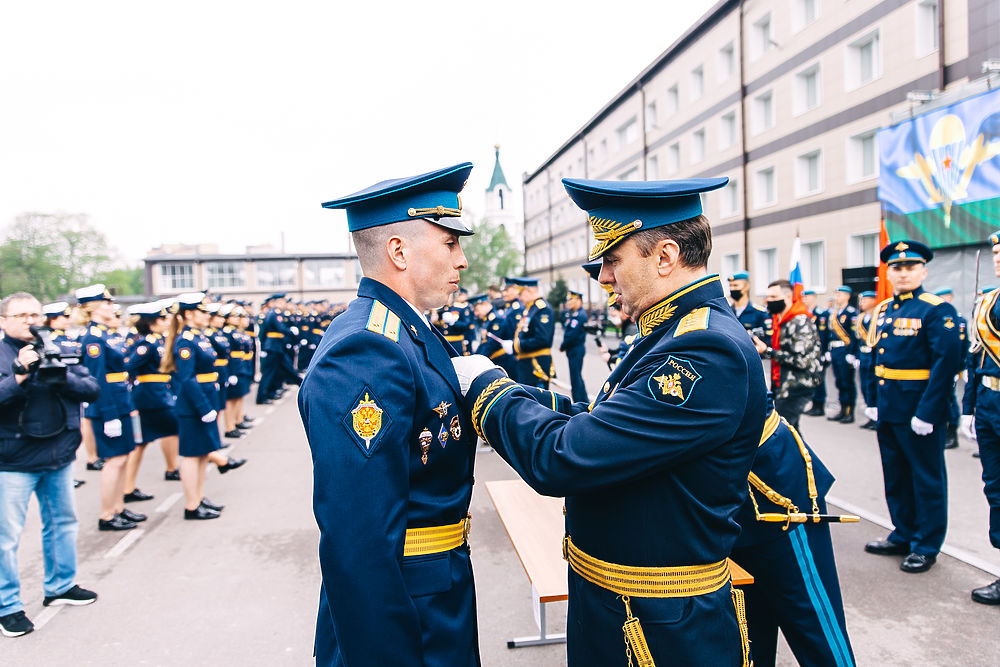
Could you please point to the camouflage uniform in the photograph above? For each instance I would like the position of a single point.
(798, 357)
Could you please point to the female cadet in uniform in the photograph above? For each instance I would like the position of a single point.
(111, 415)
(238, 384)
(151, 392)
(191, 360)
(221, 344)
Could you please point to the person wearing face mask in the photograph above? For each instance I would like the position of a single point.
(751, 316)
(793, 350)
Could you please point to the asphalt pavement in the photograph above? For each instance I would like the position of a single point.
(242, 590)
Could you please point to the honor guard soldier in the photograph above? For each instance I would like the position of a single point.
(511, 316)
(655, 470)
(490, 343)
(843, 347)
(751, 316)
(392, 453)
(866, 359)
(574, 318)
(457, 322)
(533, 337)
(785, 542)
(917, 353)
(980, 420)
(819, 318)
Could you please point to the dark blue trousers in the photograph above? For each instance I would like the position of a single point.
(574, 356)
(819, 394)
(988, 436)
(843, 376)
(526, 372)
(865, 372)
(269, 365)
(916, 486)
(796, 590)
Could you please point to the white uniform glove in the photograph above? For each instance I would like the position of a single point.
(508, 346)
(232, 380)
(469, 368)
(303, 342)
(920, 427)
(294, 330)
(872, 413)
(852, 360)
(967, 425)
(210, 417)
(113, 428)
(827, 358)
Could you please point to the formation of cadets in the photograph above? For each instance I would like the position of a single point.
(178, 371)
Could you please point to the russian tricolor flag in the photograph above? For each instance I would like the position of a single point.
(795, 275)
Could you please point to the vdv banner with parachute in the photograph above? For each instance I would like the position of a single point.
(939, 173)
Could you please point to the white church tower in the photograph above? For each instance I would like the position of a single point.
(500, 206)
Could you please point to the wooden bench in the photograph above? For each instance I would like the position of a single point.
(535, 526)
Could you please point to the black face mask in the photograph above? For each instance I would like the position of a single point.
(775, 307)
(735, 294)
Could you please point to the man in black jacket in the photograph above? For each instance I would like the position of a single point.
(39, 434)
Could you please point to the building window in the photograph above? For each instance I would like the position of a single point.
(225, 274)
(651, 115)
(628, 132)
(591, 155)
(863, 250)
(673, 100)
(763, 112)
(697, 82)
(804, 12)
(764, 190)
(807, 89)
(927, 27)
(602, 153)
(730, 264)
(652, 168)
(673, 158)
(862, 157)
(762, 41)
(726, 62)
(698, 145)
(324, 273)
(729, 203)
(864, 60)
(813, 265)
(276, 273)
(176, 277)
(808, 173)
(766, 269)
(727, 130)
(630, 175)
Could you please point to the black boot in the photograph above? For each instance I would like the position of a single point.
(848, 417)
(951, 437)
(837, 417)
(815, 411)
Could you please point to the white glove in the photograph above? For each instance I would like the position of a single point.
(965, 375)
(967, 425)
(303, 342)
(469, 368)
(294, 330)
(113, 428)
(920, 427)
(852, 360)
(872, 413)
(232, 380)
(827, 358)
(263, 353)
(210, 417)
(508, 346)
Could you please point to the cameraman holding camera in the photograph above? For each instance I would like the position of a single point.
(40, 400)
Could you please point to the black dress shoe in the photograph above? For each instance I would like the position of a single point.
(135, 495)
(200, 514)
(247, 419)
(917, 563)
(848, 417)
(837, 417)
(870, 425)
(815, 411)
(987, 594)
(975, 455)
(77, 483)
(172, 475)
(887, 548)
(244, 426)
(117, 522)
(231, 464)
(96, 464)
(208, 504)
(235, 433)
(266, 401)
(134, 517)
(951, 437)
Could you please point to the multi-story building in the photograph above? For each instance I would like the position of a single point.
(262, 270)
(785, 97)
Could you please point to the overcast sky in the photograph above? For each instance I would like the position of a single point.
(229, 122)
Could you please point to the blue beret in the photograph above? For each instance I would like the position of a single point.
(988, 289)
(618, 208)
(845, 288)
(808, 292)
(522, 282)
(593, 269)
(867, 294)
(433, 196)
(994, 238)
(906, 251)
(944, 290)
(741, 275)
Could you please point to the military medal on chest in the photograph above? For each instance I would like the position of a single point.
(425, 438)
(456, 428)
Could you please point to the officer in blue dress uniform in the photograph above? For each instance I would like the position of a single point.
(866, 359)
(392, 454)
(655, 470)
(820, 318)
(273, 332)
(574, 338)
(511, 318)
(843, 347)
(751, 316)
(951, 430)
(490, 342)
(785, 543)
(457, 323)
(917, 353)
(980, 420)
(533, 336)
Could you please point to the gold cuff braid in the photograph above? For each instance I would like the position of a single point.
(483, 397)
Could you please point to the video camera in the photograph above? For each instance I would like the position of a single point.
(53, 362)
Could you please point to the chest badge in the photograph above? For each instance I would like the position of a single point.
(94, 350)
(443, 436)
(456, 428)
(442, 409)
(425, 438)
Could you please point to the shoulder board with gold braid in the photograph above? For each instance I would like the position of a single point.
(187, 335)
(932, 299)
(986, 329)
(696, 320)
(383, 321)
(872, 337)
(540, 303)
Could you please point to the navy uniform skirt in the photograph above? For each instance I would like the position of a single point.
(110, 447)
(196, 437)
(238, 390)
(157, 423)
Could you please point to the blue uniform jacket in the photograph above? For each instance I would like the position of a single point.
(653, 472)
(753, 317)
(274, 331)
(104, 357)
(917, 333)
(984, 362)
(194, 356)
(382, 409)
(573, 333)
(840, 328)
(142, 357)
(492, 329)
(820, 319)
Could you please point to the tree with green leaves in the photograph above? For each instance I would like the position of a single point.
(557, 295)
(491, 255)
